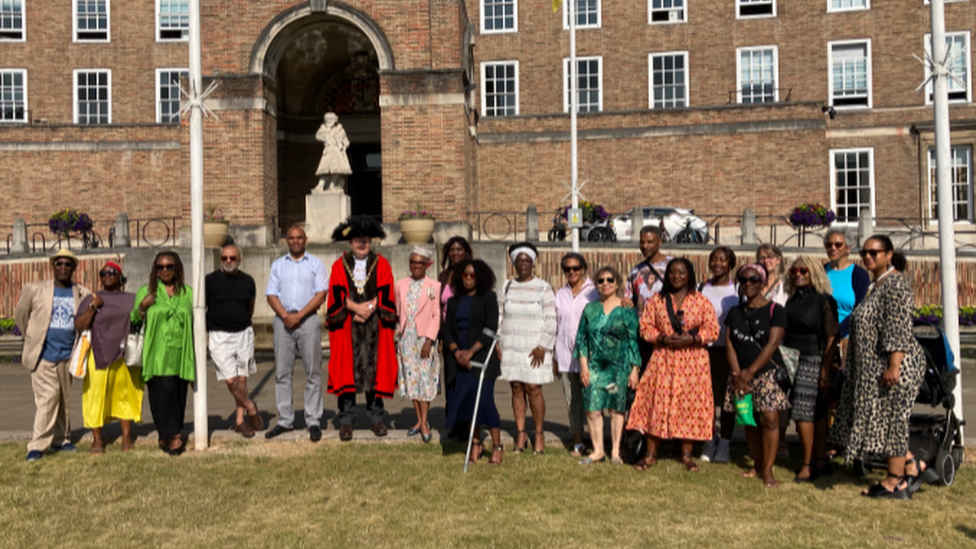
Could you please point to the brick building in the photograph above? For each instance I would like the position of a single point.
(461, 105)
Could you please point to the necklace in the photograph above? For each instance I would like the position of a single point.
(360, 286)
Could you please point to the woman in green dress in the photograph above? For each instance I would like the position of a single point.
(606, 346)
(168, 365)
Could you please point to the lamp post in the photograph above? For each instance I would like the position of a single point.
(200, 427)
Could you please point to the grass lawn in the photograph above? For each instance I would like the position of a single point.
(254, 495)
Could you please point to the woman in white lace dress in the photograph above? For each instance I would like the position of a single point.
(527, 326)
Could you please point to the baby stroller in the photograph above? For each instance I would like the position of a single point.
(934, 437)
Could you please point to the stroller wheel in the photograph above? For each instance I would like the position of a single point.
(945, 465)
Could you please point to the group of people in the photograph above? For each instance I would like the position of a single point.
(661, 353)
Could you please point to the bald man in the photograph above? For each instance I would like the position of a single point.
(296, 289)
(230, 306)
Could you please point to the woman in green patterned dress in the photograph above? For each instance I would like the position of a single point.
(606, 346)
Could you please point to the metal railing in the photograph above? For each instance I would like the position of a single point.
(154, 232)
(497, 225)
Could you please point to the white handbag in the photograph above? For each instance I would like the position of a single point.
(133, 346)
(79, 355)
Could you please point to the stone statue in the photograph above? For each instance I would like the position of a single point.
(334, 166)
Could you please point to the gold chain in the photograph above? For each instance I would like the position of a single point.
(360, 288)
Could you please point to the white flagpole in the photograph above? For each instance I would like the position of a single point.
(573, 109)
(947, 233)
(200, 427)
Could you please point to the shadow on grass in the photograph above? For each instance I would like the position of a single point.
(966, 531)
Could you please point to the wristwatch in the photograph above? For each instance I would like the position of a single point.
(370, 306)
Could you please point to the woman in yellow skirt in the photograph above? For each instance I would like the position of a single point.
(111, 389)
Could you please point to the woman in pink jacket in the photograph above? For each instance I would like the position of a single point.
(418, 308)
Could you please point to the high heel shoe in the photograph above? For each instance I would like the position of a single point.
(497, 452)
(521, 443)
(537, 448)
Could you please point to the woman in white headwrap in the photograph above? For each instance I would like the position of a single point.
(419, 311)
(527, 326)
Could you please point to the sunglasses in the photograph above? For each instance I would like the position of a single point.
(754, 279)
(606, 280)
(837, 245)
(572, 268)
(799, 270)
(64, 264)
(228, 258)
(469, 276)
(872, 253)
(108, 272)
(166, 267)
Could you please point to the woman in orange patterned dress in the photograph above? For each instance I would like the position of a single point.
(674, 398)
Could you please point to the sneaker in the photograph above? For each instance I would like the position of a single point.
(784, 451)
(721, 452)
(708, 451)
(68, 447)
(34, 455)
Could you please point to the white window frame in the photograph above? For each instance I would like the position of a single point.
(74, 94)
(108, 24)
(738, 72)
(947, 1)
(514, 28)
(159, 30)
(599, 15)
(26, 104)
(866, 42)
(650, 78)
(866, 6)
(651, 10)
(23, 25)
(833, 181)
(599, 60)
(932, 203)
(159, 84)
(484, 88)
(967, 62)
(740, 3)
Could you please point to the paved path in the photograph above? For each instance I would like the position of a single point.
(17, 410)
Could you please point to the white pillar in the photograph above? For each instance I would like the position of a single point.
(947, 234)
(200, 427)
(573, 109)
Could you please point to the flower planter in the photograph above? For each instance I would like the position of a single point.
(417, 230)
(214, 234)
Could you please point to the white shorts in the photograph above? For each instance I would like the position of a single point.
(233, 353)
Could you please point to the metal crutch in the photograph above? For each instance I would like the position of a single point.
(477, 399)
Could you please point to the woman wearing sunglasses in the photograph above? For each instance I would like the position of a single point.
(811, 315)
(472, 316)
(111, 390)
(165, 305)
(884, 371)
(571, 300)
(606, 347)
(848, 282)
(755, 329)
(674, 397)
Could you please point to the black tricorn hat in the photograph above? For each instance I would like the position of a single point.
(356, 226)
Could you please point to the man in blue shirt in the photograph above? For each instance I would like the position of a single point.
(46, 315)
(296, 289)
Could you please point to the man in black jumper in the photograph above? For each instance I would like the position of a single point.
(230, 306)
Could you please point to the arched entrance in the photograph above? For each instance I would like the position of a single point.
(314, 62)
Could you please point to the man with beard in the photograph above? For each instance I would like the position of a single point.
(46, 315)
(361, 317)
(230, 306)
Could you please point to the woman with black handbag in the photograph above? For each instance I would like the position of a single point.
(811, 314)
(755, 330)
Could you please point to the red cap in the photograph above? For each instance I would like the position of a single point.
(114, 266)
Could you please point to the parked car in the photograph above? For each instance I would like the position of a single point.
(680, 225)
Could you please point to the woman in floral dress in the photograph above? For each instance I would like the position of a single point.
(674, 398)
(419, 312)
(606, 346)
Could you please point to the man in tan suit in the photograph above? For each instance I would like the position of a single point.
(46, 315)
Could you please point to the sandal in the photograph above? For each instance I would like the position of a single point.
(537, 448)
(97, 450)
(879, 490)
(476, 449)
(648, 461)
(808, 479)
(175, 450)
(521, 443)
(497, 451)
(689, 463)
(590, 461)
(920, 477)
(164, 444)
(578, 449)
(128, 446)
(616, 461)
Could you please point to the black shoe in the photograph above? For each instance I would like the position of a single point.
(278, 430)
(345, 433)
(315, 433)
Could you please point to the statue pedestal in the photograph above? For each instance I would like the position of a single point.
(323, 212)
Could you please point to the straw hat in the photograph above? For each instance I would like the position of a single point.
(65, 253)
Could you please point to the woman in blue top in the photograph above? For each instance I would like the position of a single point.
(849, 282)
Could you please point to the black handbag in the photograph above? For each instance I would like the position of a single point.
(634, 446)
